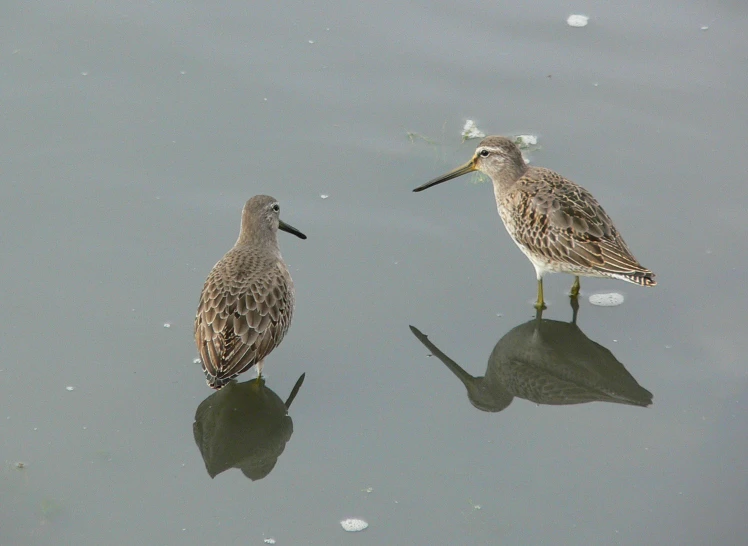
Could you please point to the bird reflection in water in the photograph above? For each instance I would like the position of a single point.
(244, 426)
(547, 362)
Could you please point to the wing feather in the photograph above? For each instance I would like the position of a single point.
(244, 312)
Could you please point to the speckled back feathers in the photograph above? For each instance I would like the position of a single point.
(246, 306)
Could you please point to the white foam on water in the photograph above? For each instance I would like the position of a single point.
(577, 21)
(353, 525)
(470, 130)
(610, 299)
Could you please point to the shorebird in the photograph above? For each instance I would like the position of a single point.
(247, 301)
(557, 224)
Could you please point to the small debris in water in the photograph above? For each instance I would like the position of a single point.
(705, 27)
(668, 346)
(470, 131)
(577, 20)
(610, 299)
(526, 141)
(20, 465)
(196, 361)
(324, 196)
(311, 41)
(353, 525)
(368, 490)
(84, 73)
(69, 388)
(167, 325)
(269, 541)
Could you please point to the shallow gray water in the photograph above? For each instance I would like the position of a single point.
(135, 131)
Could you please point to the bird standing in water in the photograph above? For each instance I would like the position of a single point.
(248, 299)
(556, 223)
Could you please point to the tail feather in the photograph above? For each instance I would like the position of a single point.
(642, 278)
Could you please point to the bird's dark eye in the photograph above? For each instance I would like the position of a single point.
(276, 208)
(484, 153)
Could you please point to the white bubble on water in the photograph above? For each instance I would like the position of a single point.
(353, 525)
(610, 299)
(577, 20)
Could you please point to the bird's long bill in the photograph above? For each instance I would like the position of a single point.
(290, 229)
(459, 171)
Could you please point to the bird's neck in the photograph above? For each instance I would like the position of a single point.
(258, 240)
(508, 176)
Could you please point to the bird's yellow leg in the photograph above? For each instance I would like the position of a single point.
(575, 308)
(575, 287)
(540, 304)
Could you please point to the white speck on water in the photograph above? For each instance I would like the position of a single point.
(470, 130)
(69, 388)
(182, 72)
(84, 73)
(615, 341)
(323, 195)
(705, 27)
(668, 346)
(265, 99)
(311, 41)
(499, 314)
(596, 84)
(196, 361)
(368, 490)
(167, 325)
(577, 20)
(610, 299)
(353, 525)
(269, 541)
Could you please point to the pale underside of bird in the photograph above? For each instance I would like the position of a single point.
(557, 224)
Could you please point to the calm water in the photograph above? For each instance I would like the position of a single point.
(135, 131)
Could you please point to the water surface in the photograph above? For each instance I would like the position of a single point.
(135, 131)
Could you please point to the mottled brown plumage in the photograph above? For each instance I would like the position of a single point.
(556, 223)
(247, 301)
